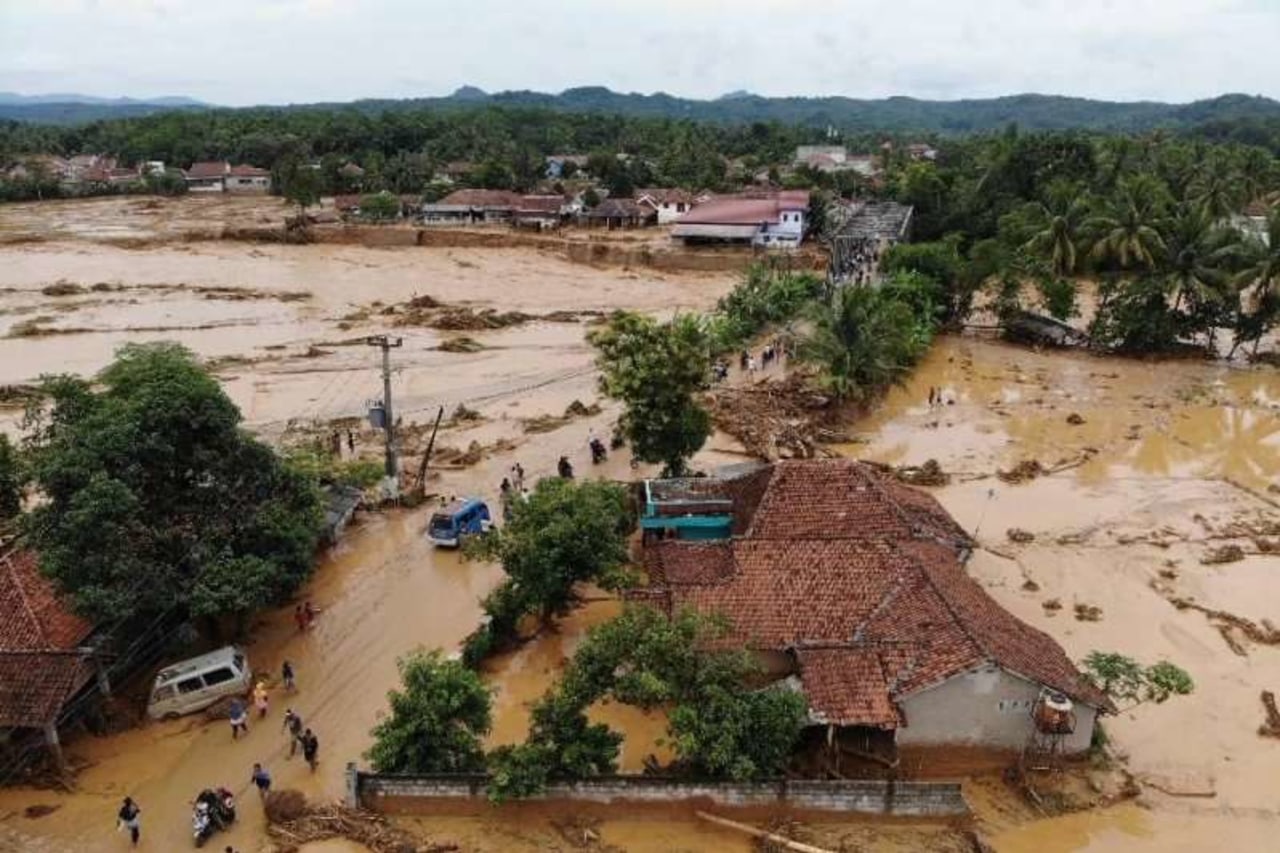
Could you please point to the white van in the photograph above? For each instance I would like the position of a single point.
(198, 682)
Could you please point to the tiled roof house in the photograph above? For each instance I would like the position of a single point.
(40, 665)
(857, 582)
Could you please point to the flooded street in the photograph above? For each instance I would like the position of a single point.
(1165, 461)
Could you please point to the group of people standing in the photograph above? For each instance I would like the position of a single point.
(773, 352)
(512, 489)
(129, 817)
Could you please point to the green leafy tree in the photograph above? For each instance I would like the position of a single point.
(862, 342)
(655, 369)
(380, 207)
(12, 480)
(437, 721)
(567, 532)
(299, 183)
(737, 734)
(1129, 684)
(154, 498)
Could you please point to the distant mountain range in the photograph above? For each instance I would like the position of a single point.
(1043, 112)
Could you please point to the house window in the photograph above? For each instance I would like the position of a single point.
(1015, 706)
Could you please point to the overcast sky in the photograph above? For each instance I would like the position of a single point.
(278, 51)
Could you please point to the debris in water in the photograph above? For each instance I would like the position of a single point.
(550, 423)
(1024, 471)
(1029, 585)
(1088, 612)
(928, 474)
(42, 809)
(1270, 728)
(775, 420)
(461, 344)
(293, 822)
(1017, 534)
(463, 414)
(1224, 554)
(1075, 419)
(62, 287)
(1052, 606)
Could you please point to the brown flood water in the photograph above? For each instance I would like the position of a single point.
(1166, 436)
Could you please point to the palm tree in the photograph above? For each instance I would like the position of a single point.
(863, 341)
(1197, 252)
(1057, 225)
(1126, 233)
(1216, 189)
(1259, 285)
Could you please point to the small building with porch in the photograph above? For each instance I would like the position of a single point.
(620, 213)
(208, 176)
(248, 179)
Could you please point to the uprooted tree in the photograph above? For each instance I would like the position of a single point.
(154, 500)
(1130, 684)
(656, 369)
(437, 719)
(565, 533)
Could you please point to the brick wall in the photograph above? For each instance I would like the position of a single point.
(874, 797)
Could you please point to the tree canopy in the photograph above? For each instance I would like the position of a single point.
(655, 369)
(153, 498)
(437, 719)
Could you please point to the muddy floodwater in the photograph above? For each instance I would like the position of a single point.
(1161, 463)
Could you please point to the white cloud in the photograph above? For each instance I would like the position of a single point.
(272, 51)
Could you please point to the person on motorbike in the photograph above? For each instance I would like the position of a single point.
(565, 468)
(598, 451)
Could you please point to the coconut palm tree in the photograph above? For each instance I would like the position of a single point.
(1057, 224)
(1126, 232)
(1197, 256)
(1216, 188)
(1259, 285)
(862, 341)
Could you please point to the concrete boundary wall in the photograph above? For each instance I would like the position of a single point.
(407, 794)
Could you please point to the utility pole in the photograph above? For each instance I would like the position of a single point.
(389, 424)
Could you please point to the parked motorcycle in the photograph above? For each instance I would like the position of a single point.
(215, 810)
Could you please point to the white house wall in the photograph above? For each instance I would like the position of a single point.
(984, 708)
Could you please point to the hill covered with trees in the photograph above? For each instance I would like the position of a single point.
(1039, 112)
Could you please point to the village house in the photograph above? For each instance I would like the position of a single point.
(248, 179)
(620, 213)
(670, 204)
(541, 212)
(852, 587)
(44, 662)
(763, 219)
(836, 158)
(472, 207)
(207, 176)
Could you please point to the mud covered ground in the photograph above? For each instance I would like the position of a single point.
(1164, 463)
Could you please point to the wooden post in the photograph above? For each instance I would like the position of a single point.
(55, 746)
(773, 837)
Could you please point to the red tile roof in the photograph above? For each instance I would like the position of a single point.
(32, 616)
(861, 577)
(208, 169)
(35, 685)
(849, 684)
(482, 198)
(666, 195)
(244, 171)
(541, 204)
(39, 667)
